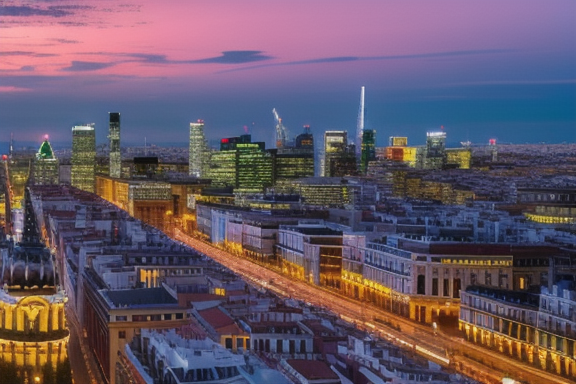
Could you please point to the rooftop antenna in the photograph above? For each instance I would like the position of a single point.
(145, 148)
(11, 144)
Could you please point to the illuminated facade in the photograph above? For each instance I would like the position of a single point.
(325, 192)
(155, 202)
(335, 144)
(19, 171)
(45, 166)
(241, 164)
(296, 161)
(83, 157)
(198, 150)
(368, 149)
(549, 205)
(444, 192)
(420, 280)
(33, 329)
(539, 329)
(114, 143)
(395, 141)
(435, 156)
(311, 253)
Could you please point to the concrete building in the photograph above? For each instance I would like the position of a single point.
(170, 358)
(536, 328)
(422, 279)
(311, 253)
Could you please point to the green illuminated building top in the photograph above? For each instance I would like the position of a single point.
(45, 151)
(45, 165)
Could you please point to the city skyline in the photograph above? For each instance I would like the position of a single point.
(480, 69)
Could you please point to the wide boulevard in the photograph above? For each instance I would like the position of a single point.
(474, 361)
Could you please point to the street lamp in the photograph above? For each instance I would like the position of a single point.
(36, 379)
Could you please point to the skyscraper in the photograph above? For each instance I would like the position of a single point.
(335, 145)
(198, 150)
(114, 142)
(368, 149)
(45, 165)
(83, 157)
(295, 161)
(242, 164)
(360, 127)
(435, 150)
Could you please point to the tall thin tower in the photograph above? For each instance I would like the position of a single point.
(360, 126)
(197, 150)
(114, 142)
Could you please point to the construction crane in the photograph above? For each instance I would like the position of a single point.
(281, 131)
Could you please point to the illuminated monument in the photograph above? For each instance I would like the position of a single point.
(33, 333)
(83, 157)
(114, 137)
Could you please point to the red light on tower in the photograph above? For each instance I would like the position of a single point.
(4, 157)
(224, 141)
(492, 141)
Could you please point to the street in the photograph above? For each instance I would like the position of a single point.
(465, 357)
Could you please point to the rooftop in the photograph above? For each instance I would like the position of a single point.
(139, 297)
(312, 369)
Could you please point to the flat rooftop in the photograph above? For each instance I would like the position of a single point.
(139, 297)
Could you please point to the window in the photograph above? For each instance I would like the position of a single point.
(167, 316)
(121, 318)
(179, 316)
(456, 286)
(421, 286)
(121, 334)
(446, 287)
(434, 286)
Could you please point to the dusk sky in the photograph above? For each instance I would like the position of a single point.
(481, 68)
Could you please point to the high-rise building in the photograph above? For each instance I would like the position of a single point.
(241, 164)
(297, 161)
(198, 150)
(45, 165)
(368, 149)
(360, 127)
(114, 138)
(83, 157)
(335, 144)
(435, 150)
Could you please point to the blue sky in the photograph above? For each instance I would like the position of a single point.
(482, 69)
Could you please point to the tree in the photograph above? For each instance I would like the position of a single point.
(48, 374)
(9, 373)
(64, 372)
